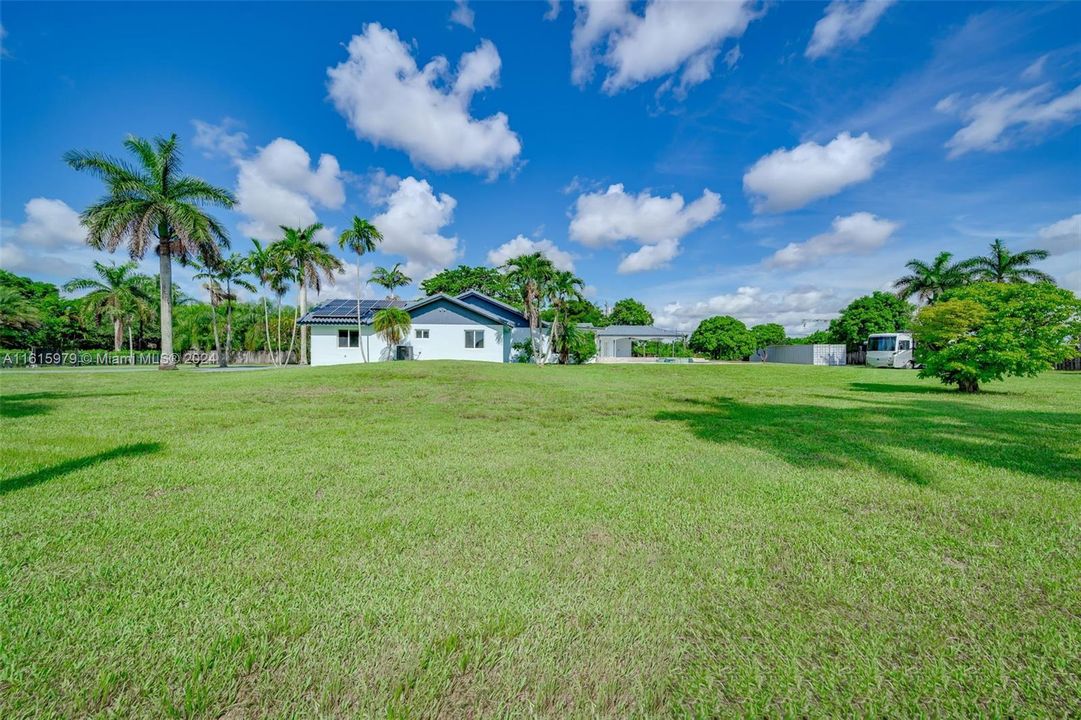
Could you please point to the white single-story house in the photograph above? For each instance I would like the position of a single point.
(470, 326)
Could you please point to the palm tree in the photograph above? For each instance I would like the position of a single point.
(563, 287)
(261, 264)
(16, 312)
(1003, 266)
(393, 325)
(232, 271)
(390, 279)
(929, 281)
(118, 293)
(311, 260)
(150, 205)
(217, 296)
(360, 238)
(531, 273)
(279, 277)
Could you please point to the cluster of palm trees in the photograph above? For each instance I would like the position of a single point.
(541, 284)
(150, 205)
(928, 281)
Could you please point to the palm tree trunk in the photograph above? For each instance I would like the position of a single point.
(131, 347)
(360, 330)
(167, 361)
(118, 335)
(214, 324)
(266, 329)
(293, 335)
(303, 333)
(223, 361)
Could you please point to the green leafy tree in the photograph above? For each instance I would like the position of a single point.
(768, 334)
(723, 337)
(531, 275)
(361, 237)
(486, 280)
(629, 312)
(879, 312)
(312, 263)
(1005, 267)
(390, 278)
(393, 326)
(928, 281)
(118, 293)
(818, 337)
(988, 331)
(150, 205)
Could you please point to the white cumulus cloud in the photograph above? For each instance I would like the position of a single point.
(388, 100)
(650, 257)
(462, 14)
(223, 139)
(844, 23)
(789, 179)
(50, 241)
(278, 186)
(995, 122)
(755, 305)
(411, 225)
(656, 222)
(668, 36)
(521, 245)
(856, 234)
(1061, 237)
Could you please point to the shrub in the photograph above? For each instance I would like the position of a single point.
(989, 331)
(723, 338)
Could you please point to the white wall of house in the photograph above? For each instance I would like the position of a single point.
(614, 347)
(444, 342)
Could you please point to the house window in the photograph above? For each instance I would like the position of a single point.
(474, 339)
(422, 334)
(348, 338)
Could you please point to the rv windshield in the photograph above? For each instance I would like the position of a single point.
(879, 344)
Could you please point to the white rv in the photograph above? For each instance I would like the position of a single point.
(890, 350)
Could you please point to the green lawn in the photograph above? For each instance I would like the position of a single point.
(438, 539)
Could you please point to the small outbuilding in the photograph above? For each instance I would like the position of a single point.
(818, 354)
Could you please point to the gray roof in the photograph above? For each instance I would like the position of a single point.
(635, 331)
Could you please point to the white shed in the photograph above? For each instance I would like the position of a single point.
(802, 354)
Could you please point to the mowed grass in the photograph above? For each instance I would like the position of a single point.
(447, 539)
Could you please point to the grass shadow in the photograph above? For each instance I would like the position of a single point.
(879, 434)
(68, 466)
(39, 403)
(927, 389)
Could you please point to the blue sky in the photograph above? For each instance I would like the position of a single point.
(770, 161)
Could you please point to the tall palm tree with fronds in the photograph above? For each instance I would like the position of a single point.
(261, 265)
(928, 281)
(16, 312)
(151, 205)
(118, 293)
(217, 297)
(393, 326)
(390, 279)
(312, 262)
(563, 287)
(1003, 266)
(531, 274)
(232, 271)
(361, 237)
